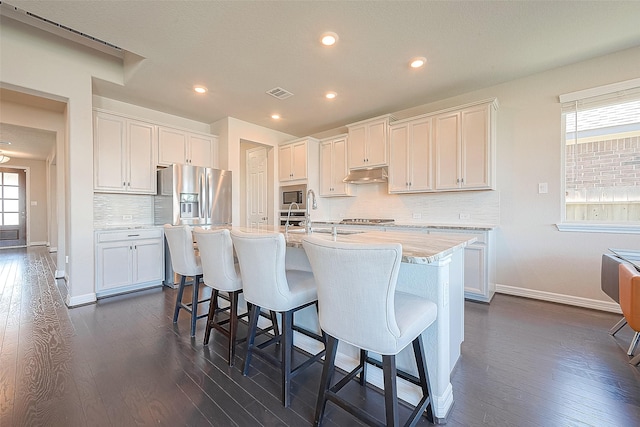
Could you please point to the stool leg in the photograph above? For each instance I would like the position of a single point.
(194, 304)
(233, 325)
(251, 336)
(423, 373)
(179, 298)
(634, 343)
(635, 361)
(390, 390)
(325, 379)
(211, 317)
(274, 323)
(363, 364)
(287, 348)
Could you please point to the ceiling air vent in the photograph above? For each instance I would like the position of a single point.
(278, 92)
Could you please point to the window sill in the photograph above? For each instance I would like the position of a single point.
(583, 227)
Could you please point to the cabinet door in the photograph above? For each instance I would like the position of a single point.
(447, 142)
(326, 175)
(200, 151)
(357, 147)
(475, 283)
(377, 144)
(475, 147)
(141, 168)
(285, 157)
(109, 153)
(147, 260)
(340, 170)
(299, 161)
(419, 160)
(114, 268)
(398, 158)
(172, 146)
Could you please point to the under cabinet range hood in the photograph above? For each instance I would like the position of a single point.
(366, 176)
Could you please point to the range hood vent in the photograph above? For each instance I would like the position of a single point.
(366, 176)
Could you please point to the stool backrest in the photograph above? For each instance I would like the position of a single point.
(216, 256)
(183, 256)
(629, 279)
(261, 258)
(356, 290)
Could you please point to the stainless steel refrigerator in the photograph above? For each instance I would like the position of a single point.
(191, 195)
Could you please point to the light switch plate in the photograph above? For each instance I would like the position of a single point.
(465, 216)
(543, 188)
(417, 215)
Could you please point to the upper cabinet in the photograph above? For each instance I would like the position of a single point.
(464, 148)
(333, 167)
(410, 156)
(294, 159)
(367, 146)
(180, 146)
(124, 154)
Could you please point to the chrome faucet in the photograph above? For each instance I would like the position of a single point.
(307, 214)
(286, 225)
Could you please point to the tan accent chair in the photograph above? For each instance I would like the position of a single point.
(629, 280)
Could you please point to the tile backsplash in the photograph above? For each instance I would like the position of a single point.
(122, 210)
(373, 201)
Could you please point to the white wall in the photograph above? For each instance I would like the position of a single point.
(39, 63)
(532, 254)
(232, 132)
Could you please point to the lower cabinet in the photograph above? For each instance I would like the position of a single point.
(479, 264)
(128, 260)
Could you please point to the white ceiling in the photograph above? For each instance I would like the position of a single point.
(241, 49)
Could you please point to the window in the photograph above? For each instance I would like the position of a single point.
(9, 199)
(601, 139)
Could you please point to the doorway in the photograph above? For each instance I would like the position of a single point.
(13, 212)
(257, 194)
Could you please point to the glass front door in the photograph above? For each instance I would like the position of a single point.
(13, 230)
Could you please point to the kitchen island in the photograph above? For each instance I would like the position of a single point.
(432, 267)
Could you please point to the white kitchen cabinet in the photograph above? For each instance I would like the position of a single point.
(183, 147)
(333, 167)
(124, 153)
(294, 159)
(479, 263)
(464, 148)
(368, 143)
(128, 260)
(410, 156)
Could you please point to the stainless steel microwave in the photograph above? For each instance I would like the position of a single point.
(293, 194)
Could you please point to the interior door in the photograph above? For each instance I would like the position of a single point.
(13, 212)
(257, 216)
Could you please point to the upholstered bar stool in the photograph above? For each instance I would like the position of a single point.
(629, 279)
(221, 274)
(267, 285)
(359, 305)
(186, 263)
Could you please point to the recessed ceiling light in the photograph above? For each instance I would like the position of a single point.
(200, 89)
(275, 116)
(329, 39)
(418, 62)
(330, 95)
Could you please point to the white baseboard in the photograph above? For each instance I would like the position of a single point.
(38, 243)
(53, 249)
(60, 274)
(80, 300)
(559, 298)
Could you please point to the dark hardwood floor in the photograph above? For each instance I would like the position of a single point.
(121, 362)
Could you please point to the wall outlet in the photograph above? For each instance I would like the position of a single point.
(417, 215)
(543, 188)
(465, 216)
(127, 217)
(66, 259)
(34, 203)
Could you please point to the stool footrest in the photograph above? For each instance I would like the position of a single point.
(402, 374)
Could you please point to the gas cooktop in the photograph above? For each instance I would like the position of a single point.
(366, 221)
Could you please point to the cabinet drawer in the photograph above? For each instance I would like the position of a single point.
(133, 234)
